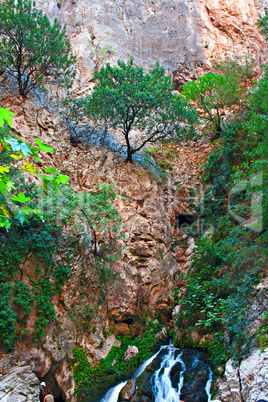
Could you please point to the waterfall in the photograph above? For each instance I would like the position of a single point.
(163, 390)
(208, 385)
(113, 393)
(145, 364)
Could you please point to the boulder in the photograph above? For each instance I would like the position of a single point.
(19, 385)
(131, 352)
(246, 382)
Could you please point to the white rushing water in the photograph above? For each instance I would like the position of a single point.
(145, 364)
(208, 385)
(162, 389)
(113, 393)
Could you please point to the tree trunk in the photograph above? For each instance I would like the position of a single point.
(129, 156)
(129, 149)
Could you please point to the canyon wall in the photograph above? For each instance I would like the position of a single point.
(185, 37)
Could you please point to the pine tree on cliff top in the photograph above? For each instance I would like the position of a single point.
(33, 50)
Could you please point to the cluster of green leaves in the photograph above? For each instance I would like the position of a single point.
(23, 298)
(94, 211)
(91, 382)
(229, 263)
(7, 316)
(12, 153)
(33, 50)
(215, 94)
(135, 100)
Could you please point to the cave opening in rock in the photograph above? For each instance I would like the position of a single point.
(53, 386)
(185, 219)
(128, 321)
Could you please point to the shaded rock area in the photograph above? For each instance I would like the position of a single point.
(19, 385)
(195, 375)
(195, 382)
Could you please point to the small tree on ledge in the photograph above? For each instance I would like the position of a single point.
(31, 49)
(126, 98)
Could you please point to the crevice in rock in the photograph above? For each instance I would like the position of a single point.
(240, 384)
(128, 321)
(53, 386)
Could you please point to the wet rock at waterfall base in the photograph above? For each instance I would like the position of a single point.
(195, 380)
(189, 356)
(140, 389)
(129, 390)
(175, 375)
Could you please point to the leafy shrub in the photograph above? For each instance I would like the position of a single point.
(33, 50)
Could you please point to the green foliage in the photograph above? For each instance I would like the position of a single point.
(215, 93)
(33, 50)
(7, 316)
(91, 382)
(23, 298)
(135, 100)
(229, 264)
(94, 211)
(13, 150)
(43, 290)
(263, 23)
(38, 238)
(262, 334)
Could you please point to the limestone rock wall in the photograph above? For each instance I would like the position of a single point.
(19, 385)
(185, 36)
(248, 382)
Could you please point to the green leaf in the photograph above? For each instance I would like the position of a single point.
(5, 115)
(44, 147)
(50, 170)
(6, 185)
(20, 198)
(62, 179)
(22, 217)
(4, 169)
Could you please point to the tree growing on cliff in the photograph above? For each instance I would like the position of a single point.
(217, 94)
(143, 106)
(33, 50)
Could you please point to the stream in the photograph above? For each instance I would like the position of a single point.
(177, 373)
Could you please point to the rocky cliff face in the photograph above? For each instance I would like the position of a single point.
(185, 36)
(248, 382)
(148, 271)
